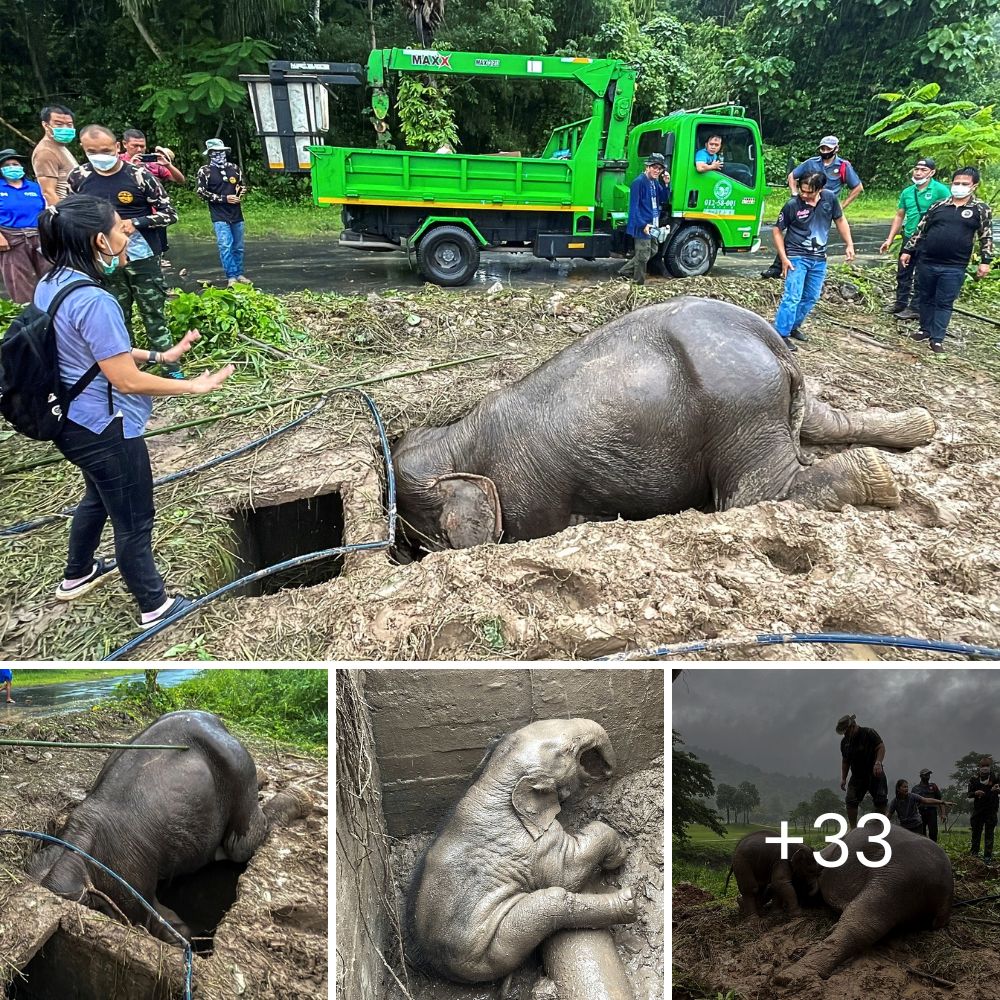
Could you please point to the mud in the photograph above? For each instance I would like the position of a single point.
(713, 953)
(271, 943)
(633, 805)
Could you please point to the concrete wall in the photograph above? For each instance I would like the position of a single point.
(360, 866)
(432, 726)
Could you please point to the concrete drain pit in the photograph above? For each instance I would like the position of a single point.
(282, 531)
(74, 968)
(202, 899)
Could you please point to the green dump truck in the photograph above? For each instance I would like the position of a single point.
(569, 201)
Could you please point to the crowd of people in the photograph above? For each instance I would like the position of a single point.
(918, 809)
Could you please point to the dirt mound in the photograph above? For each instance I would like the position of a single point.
(685, 895)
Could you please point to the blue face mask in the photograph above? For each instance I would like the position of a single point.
(14, 173)
(64, 133)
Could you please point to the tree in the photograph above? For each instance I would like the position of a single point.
(963, 806)
(824, 801)
(749, 799)
(802, 816)
(426, 15)
(692, 781)
(725, 798)
(967, 767)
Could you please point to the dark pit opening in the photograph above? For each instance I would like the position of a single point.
(74, 968)
(269, 535)
(202, 899)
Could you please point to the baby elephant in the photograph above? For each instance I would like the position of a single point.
(502, 874)
(761, 874)
(156, 814)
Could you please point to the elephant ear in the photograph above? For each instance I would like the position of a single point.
(470, 510)
(536, 803)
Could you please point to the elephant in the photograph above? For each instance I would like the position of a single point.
(157, 814)
(761, 873)
(691, 403)
(501, 874)
(916, 888)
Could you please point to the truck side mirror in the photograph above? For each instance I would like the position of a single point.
(668, 149)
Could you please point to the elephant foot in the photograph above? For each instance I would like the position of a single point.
(287, 806)
(911, 428)
(799, 975)
(860, 477)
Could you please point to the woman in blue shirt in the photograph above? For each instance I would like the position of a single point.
(102, 436)
(21, 260)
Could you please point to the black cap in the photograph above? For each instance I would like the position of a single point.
(11, 154)
(656, 160)
(926, 161)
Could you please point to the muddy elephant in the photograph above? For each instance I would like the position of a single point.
(501, 874)
(692, 403)
(761, 874)
(157, 814)
(914, 889)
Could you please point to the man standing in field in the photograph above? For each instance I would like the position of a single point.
(220, 183)
(861, 752)
(929, 814)
(51, 161)
(6, 676)
(984, 791)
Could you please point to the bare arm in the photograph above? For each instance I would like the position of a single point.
(48, 186)
(897, 224)
(854, 192)
(793, 185)
(845, 234)
(121, 371)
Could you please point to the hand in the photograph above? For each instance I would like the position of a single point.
(849, 252)
(884, 248)
(162, 158)
(786, 266)
(233, 199)
(843, 785)
(4, 245)
(136, 160)
(666, 176)
(904, 259)
(210, 381)
(181, 347)
(127, 227)
(982, 271)
(979, 793)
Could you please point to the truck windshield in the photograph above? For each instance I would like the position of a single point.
(738, 151)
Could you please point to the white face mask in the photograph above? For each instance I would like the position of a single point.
(961, 190)
(102, 161)
(921, 181)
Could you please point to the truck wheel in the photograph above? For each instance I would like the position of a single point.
(448, 255)
(691, 252)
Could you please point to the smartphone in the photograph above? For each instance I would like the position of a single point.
(149, 157)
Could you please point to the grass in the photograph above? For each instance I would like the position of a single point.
(39, 678)
(289, 706)
(871, 206)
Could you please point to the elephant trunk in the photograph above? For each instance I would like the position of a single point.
(596, 758)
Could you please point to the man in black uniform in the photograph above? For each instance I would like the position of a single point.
(862, 752)
(220, 183)
(139, 198)
(929, 814)
(944, 238)
(984, 790)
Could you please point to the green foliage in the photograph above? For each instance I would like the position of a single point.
(8, 311)
(425, 118)
(692, 781)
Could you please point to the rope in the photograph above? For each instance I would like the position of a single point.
(188, 953)
(790, 638)
(310, 557)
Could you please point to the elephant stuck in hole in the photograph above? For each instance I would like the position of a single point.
(501, 874)
(157, 814)
(689, 404)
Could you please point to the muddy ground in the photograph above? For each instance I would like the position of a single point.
(272, 942)
(633, 805)
(930, 568)
(714, 953)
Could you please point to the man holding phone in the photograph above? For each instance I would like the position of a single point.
(161, 165)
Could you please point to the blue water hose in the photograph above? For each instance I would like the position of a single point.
(790, 638)
(25, 526)
(310, 557)
(188, 952)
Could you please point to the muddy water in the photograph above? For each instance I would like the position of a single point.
(279, 265)
(75, 696)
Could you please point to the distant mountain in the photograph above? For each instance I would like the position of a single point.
(779, 793)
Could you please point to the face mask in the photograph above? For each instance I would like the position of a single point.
(103, 161)
(12, 173)
(828, 155)
(64, 133)
(109, 267)
(961, 190)
(920, 181)
(984, 772)
(218, 158)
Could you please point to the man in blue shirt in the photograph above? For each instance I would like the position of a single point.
(838, 173)
(21, 260)
(644, 198)
(709, 158)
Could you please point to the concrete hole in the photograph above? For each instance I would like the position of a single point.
(201, 899)
(72, 968)
(275, 533)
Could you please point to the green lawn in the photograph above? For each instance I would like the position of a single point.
(35, 678)
(872, 206)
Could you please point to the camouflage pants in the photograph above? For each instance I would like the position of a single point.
(141, 282)
(645, 247)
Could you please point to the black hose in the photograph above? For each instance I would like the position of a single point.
(25, 526)
(302, 560)
(978, 899)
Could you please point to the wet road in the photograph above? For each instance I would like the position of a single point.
(280, 265)
(75, 696)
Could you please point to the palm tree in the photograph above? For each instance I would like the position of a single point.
(427, 15)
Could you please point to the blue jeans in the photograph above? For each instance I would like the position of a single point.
(119, 485)
(802, 288)
(229, 236)
(939, 285)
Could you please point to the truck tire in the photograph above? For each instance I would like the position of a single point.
(691, 252)
(448, 255)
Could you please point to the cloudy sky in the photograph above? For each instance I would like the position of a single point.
(784, 720)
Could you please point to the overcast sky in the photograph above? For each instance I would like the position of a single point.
(784, 720)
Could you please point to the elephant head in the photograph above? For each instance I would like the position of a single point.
(805, 870)
(544, 763)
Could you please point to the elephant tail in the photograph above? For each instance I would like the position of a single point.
(728, 874)
(797, 400)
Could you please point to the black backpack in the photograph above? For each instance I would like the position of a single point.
(33, 399)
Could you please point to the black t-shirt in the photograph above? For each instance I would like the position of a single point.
(985, 805)
(122, 189)
(805, 227)
(215, 185)
(860, 751)
(949, 232)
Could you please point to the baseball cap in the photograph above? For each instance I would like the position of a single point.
(830, 140)
(656, 159)
(926, 161)
(926, 771)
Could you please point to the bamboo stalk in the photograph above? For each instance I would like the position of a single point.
(89, 746)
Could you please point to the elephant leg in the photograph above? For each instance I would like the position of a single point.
(781, 886)
(860, 477)
(537, 915)
(597, 846)
(823, 424)
(287, 806)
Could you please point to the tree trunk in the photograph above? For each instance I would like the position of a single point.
(146, 36)
(371, 22)
(35, 65)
